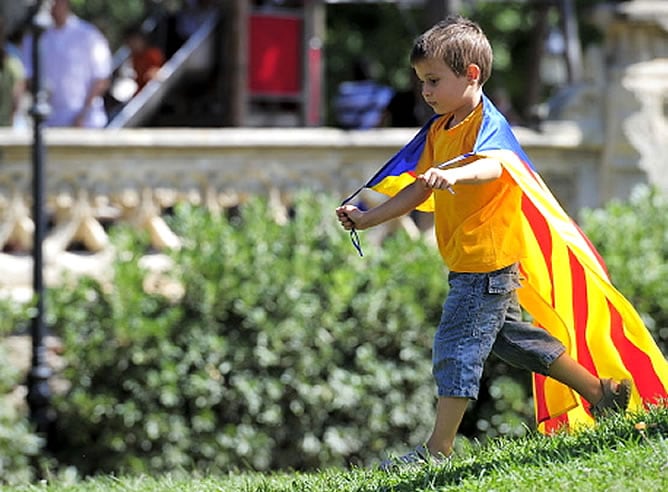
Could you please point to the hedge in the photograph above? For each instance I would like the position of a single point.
(19, 445)
(272, 345)
(632, 237)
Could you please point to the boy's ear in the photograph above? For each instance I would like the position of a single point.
(473, 72)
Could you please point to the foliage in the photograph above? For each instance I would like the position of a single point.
(383, 35)
(18, 443)
(620, 454)
(284, 350)
(379, 34)
(632, 237)
(271, 345)
(111, 17)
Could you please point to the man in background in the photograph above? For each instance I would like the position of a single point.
(76, 62)
(12, 80)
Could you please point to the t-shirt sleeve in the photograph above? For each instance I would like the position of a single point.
(155, 57)
(100, 57)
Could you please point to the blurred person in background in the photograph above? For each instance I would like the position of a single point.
(193, 14)
(361, 103)
(12, 80)
(76, 64)
(146, 59)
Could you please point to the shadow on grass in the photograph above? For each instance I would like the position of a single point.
(534, 449)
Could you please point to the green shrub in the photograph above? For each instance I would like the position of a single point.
(274, 346)
(18, 442)
(284, 349)
(632, 237)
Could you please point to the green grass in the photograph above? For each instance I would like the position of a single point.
(620, 454)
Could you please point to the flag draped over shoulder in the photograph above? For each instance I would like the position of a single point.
(565, 284)
(399, 171)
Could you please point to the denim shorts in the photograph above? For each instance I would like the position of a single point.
(482, 315)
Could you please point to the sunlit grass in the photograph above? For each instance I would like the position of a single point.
(620, 454)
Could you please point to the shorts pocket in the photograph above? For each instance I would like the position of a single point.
(503, 283)
(463, 298)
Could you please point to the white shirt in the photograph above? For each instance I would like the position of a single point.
(74, 57)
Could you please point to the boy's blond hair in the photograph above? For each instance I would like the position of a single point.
(459, 42)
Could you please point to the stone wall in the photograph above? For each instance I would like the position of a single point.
(622, 101)
(638, 42)
(96, 178)
(610, 133)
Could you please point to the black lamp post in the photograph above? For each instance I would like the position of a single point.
(39, 394)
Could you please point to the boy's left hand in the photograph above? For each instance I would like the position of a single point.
(437, 179)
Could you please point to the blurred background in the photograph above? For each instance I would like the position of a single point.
(202, 309)
(282, 62)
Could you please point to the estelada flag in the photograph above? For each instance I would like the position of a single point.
(565, 284)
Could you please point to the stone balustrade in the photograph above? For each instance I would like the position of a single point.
(97, 178)
(612, 136)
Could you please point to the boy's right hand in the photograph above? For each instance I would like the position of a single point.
(350, 217)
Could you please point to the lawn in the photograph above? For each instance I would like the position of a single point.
(620, 454)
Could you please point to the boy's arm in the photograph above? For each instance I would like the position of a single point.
(479, 171)
(403, 202)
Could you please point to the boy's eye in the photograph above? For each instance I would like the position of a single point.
(429, 82)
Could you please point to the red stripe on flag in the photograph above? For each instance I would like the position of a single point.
(556, 424)
(542, 412)
(541, 231)
(580, 313)
(596, 254)
(640, 366)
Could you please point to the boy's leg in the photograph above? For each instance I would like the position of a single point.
(523, 345)
(473, 314)
(449, 414)
(567, 370)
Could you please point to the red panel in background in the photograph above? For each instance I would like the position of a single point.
(275, 55)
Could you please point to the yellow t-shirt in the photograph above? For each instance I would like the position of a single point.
(479, 227)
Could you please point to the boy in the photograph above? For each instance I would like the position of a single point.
(146, 59)
(477, 215)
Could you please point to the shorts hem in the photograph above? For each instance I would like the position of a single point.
(452, 394)
(552, 357)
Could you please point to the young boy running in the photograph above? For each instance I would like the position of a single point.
(477, 215)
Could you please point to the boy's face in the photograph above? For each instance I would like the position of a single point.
(135, 43)
(442, 89)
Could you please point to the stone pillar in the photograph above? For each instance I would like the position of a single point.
(634, 103)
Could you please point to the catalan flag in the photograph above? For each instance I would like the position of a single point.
(565, 284)
(399, 171)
